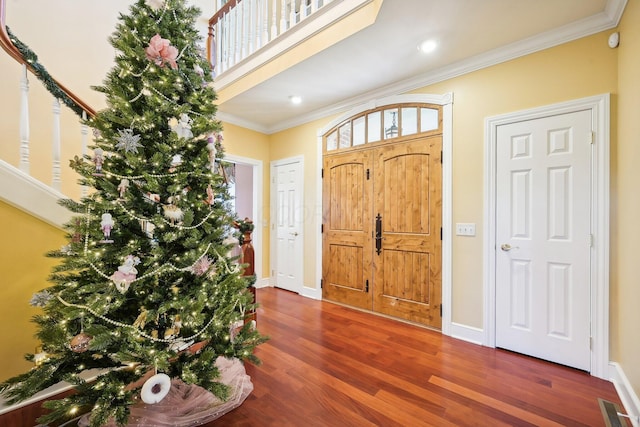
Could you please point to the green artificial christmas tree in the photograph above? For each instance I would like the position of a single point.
(145, 291)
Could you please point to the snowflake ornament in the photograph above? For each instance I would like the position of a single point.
(40, 299)
(202, 266)
(127, 141)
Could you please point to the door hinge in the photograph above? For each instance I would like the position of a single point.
(322, 173)
(321, 283)
(321, 228)
(440, 233)
(366, 285)
(590, 343)
(592, 137)
(441, 155)
(591, 240)
(367, 174)
(440, 310)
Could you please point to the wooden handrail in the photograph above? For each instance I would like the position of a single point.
(10, 48)
(223, 11)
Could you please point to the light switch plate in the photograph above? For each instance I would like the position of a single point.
(465, 229)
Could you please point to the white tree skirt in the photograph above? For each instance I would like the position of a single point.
(189, 404)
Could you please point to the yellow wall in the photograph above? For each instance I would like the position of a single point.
(254, 145)
(25, 240)
(625, 203)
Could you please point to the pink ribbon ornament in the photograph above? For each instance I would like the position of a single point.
(161, 52)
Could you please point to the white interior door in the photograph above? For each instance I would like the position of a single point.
(543, 238)
(288, 188)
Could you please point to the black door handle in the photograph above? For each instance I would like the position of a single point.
(378, 234)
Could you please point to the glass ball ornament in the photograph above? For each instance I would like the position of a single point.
(80, 343)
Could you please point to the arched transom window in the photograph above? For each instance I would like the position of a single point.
(384, 124)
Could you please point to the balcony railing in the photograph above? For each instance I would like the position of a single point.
(242, 27)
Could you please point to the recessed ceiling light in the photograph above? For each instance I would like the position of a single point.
(295, 99)
(427, 46)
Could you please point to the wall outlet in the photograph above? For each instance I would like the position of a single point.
(465, 229)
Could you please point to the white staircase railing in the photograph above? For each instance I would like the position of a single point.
(242, 27)
(25, 186)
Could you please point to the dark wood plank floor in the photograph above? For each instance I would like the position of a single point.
(327, 365)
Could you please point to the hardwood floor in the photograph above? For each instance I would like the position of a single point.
(328, 365)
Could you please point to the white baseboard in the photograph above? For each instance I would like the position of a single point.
(312, 293)
(466, 333)
(626, 393)
(265, 282)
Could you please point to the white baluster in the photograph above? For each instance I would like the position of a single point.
(222, 29)
(274, 19)
(315, 5)
(84, 132)
(56, 171)
(265, 23)
(24, 121)
(238, 35)
(283, 17)
(303, 9)
(292, 13)
(232, 38)
(244, 29)
(256, 25)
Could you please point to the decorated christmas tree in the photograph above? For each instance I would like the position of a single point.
(146, 292)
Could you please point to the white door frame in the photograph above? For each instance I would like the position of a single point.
(273, 250)
(446, 100)
(256, 201)
(599, 272)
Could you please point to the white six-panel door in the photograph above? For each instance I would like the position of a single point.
(543, 238)
(288, 226)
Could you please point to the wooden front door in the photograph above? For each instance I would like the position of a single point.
(347, 235)
(408, 207)
(382, 209)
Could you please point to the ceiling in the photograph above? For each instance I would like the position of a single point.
(383, 59)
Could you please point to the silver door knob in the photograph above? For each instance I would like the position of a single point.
(507, 247)
(294, 233)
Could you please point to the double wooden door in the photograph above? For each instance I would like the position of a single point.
(382, 225)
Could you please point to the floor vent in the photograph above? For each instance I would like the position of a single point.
(611, 413)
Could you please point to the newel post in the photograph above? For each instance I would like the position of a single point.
(247, 254)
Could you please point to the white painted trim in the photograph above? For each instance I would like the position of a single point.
(627, 395)
(313, 293)
(466, 333)
(600, 110)
(273, 250)
(264, 282)
(258, 203)
(446, 100)
(318, 212)
(32, 196)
